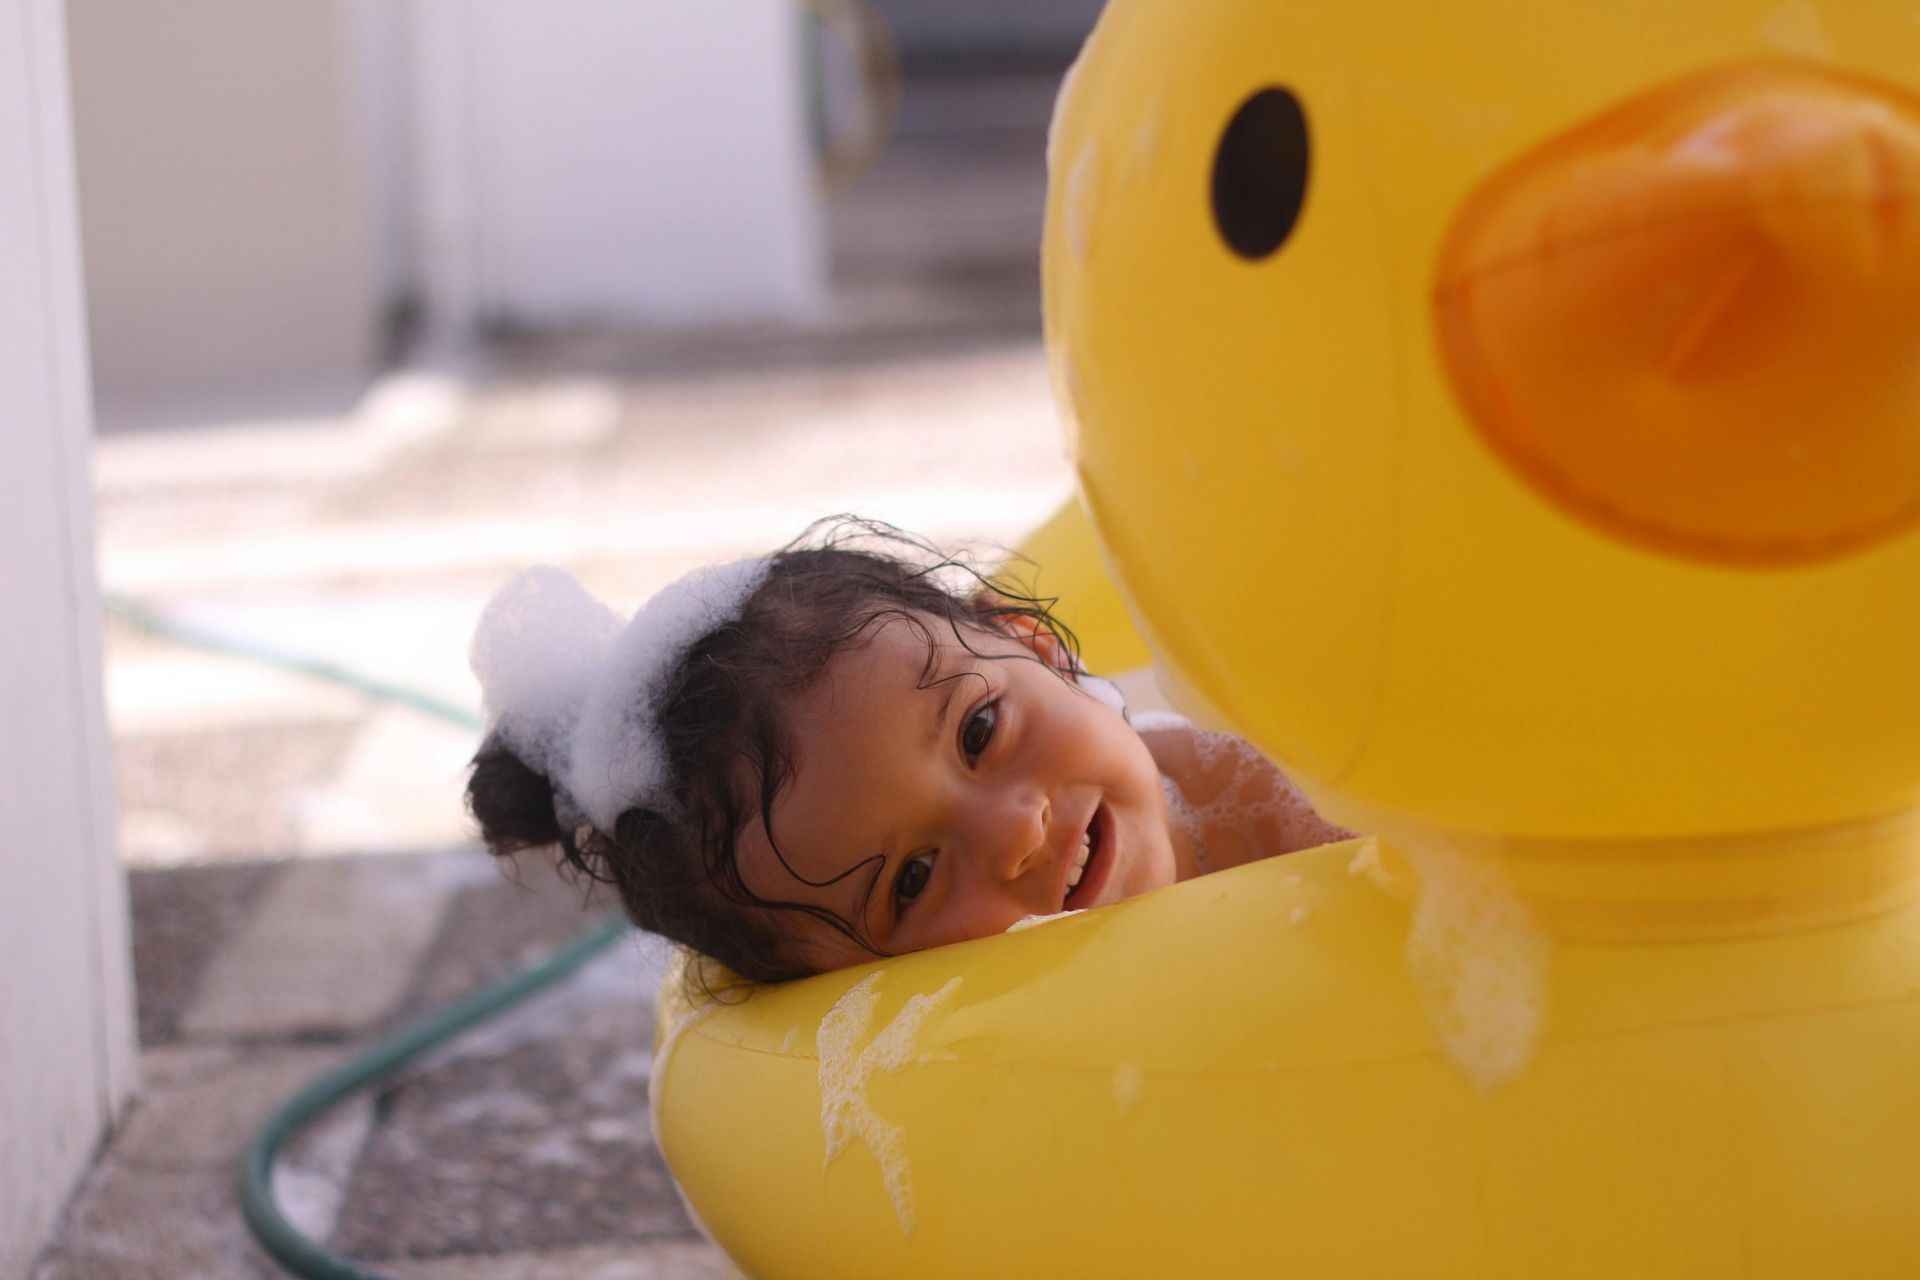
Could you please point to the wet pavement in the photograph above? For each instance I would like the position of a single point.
(520, 1149)
(303, 876)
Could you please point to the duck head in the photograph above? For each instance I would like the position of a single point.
(1507, 416)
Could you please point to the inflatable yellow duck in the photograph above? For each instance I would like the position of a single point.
(1509, 417)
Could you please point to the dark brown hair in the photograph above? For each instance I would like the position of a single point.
(722, 721)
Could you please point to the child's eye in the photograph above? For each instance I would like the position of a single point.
(915, 874)
(978, 731)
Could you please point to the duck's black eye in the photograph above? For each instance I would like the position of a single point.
(1260, 173)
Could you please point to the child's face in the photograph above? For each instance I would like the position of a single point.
(978, 791)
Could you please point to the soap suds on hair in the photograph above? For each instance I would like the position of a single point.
(846, 1069)
(1479, 960)
(574, 694)
(618, 761)
(539, 644)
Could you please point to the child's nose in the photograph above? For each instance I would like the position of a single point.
(1014, 835)
(1026, 835)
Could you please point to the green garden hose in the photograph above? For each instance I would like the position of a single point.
(269, 1225)
(279, 1237)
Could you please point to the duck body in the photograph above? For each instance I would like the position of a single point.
(1239, 1077)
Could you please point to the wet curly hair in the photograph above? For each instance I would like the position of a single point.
(722, 721)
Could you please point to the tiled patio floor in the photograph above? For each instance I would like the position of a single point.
(522, 1149)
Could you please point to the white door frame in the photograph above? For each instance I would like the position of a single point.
(67, 1042)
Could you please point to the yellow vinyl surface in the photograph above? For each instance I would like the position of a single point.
(1190, 1084)
(1508, 417)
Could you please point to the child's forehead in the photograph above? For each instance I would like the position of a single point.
(861, 738)
(899, 659)
(878, 715)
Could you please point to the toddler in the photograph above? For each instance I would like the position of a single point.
(856, 746)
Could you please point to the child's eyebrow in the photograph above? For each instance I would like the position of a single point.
(948, 683)
(949, 686)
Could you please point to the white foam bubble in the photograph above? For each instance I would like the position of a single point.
(846, 1068)
(1028, 922)
(537, 647)
(1231, 799)
(617, 760)
(1187, 818)
(574, 694)
(1479, 960)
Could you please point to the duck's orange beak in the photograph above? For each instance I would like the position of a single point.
(1694, 321)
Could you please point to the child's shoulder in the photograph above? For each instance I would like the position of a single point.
(1206, 765)
(1243, 807)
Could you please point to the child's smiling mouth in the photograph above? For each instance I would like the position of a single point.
(1093, 862)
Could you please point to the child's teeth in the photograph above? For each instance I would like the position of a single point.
(1080, 863)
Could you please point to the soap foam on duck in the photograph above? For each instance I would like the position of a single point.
(1479, 960)
(846, 1069)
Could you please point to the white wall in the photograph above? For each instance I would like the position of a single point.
(261, 182)
(381, 66)
(230, 229)
(646, 160)
(66, 996)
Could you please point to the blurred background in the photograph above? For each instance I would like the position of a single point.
(385, 301)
